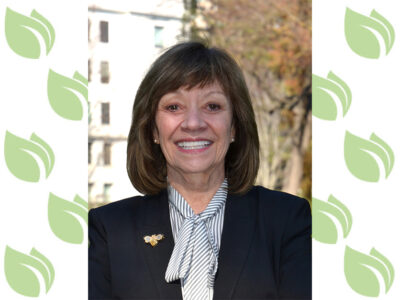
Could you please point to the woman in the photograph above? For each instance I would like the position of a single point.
(202, 230)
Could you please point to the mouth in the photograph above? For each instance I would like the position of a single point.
(194, 145)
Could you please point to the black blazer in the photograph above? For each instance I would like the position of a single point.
(265, 248)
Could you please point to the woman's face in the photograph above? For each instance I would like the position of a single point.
(194, 129)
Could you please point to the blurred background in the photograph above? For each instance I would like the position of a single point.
(271, 41)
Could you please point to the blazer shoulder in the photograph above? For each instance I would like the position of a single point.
(130, 206)
(277, 197)
(278, 203)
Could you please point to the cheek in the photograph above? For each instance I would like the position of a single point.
(224, 132)
(229, 128)
(165, 126)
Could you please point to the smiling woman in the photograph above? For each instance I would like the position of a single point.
(202, 230)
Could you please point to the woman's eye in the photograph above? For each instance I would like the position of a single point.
(214, 107)
(173, 107)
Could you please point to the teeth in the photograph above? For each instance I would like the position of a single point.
(193, 145)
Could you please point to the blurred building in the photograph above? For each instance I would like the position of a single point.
(125, 37)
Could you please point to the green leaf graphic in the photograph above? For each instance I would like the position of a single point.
(388, 272)
(18, 155)
(389, 39)
(62, 218)
(323, 213)
(19, 275)
(48, 160)
(19, 33)
(359, 35)
(49, 38)
(324, 106)
(81, 78)
(62, 93)
(360, 277)
(360, 162)
(388, 158)
(49, 273)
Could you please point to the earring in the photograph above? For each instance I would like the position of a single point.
(155, 141)
(233, 139)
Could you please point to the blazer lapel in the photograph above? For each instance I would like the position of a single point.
(237, 234)
(157, 221)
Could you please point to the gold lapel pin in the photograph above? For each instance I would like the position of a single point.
(153, 240)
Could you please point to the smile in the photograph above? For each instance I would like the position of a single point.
(195, 145)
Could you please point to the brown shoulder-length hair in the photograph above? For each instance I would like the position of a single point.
(188, 65)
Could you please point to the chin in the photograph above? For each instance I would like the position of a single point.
(195, 168)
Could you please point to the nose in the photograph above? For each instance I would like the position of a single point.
(193, 120)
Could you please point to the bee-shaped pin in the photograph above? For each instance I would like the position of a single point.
(153, 240)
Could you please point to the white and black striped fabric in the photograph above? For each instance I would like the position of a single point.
(194, 259)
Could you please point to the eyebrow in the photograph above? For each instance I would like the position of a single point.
(169, 95)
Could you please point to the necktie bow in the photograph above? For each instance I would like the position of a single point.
(195, 238)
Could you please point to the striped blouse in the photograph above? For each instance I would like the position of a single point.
(178, 207)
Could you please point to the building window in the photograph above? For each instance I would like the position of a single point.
(158, 36)
(105, 113)
(103, 31)
(107, 154)
(106, 192)
(90, 152)
(105, 72)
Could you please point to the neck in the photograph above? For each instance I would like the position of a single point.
(197, 188)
